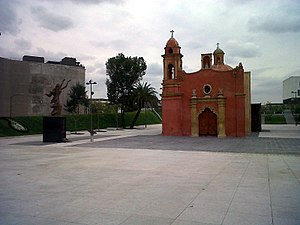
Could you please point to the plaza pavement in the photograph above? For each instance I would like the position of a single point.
(137, 177)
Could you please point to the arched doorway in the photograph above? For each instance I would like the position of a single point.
(208, 123)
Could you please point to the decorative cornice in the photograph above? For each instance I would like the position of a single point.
(167, 95)
(206, 99)
(171, 85)
(240, 94)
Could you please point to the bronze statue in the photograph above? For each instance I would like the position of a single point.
(55, 103)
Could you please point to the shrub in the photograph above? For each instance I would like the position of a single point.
(100, 121)
(275, 119)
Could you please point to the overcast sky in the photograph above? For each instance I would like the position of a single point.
(262, 34)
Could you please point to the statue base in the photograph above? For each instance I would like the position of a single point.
(54, 129)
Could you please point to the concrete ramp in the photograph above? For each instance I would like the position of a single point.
(289, 118)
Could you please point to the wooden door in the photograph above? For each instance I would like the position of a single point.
(208, 123)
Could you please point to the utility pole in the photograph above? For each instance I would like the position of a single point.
(91, 104)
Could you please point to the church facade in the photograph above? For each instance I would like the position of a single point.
(215, 100)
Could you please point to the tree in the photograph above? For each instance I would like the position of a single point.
(123, 73)
(77, 96)
(143, 95)
(104, 108)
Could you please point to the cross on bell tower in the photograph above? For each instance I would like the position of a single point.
(172, 32)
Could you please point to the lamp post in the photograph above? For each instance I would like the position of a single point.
(91, 102)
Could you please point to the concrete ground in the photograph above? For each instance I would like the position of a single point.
(137, 177)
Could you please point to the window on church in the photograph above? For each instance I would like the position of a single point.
(206, 62)
(207, 89)
(170, 50)
(171, 71)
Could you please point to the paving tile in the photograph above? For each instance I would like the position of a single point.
(65, 213)
(102, 218)
(212, 195)
(31, 220)
(9, 218)
(200, 204)
(250, 208)
(293, 201)
(286, 212)
(149, 220)
(203, 215)
(247, 196)
(163, 208)
(246, 219)
(285, 221)
(189, 222)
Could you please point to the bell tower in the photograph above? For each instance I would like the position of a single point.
(172, 59)
(171, 91)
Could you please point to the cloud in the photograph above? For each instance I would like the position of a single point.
(275, 24)
(237, 2)
(154, 76)
(51, 21)
(9, 22)
(260, 71)
(10, 54)
(97, 69)
(281, 17)
(243, 50)
(270, 89)
(266, 84)
(97, 1)
(89, 2)
(117, 44)
(49, 55)
(295, 72)
(22, 44)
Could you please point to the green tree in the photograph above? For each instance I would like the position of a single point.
(123, 73)
(77, 96)
(104, 107)
(143, 95)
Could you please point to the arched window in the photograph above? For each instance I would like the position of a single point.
(170, 71)
(206, 62)
(170, 50)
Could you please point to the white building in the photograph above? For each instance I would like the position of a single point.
(291, 89)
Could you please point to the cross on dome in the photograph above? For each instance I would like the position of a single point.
(172, 32)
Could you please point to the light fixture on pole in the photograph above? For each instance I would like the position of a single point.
(91, 102)
(295, 93)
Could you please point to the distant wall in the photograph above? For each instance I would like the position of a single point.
(23, 86)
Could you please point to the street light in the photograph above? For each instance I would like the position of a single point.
(91, 101)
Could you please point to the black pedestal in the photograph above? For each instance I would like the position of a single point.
(54, 129)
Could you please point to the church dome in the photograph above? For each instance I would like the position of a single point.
(218, 50)
(172, 43)
(221, 67)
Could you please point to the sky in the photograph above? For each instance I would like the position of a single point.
(262, 34)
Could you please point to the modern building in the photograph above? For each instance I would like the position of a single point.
(291, 90)
(24, 84)
(214, 100)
